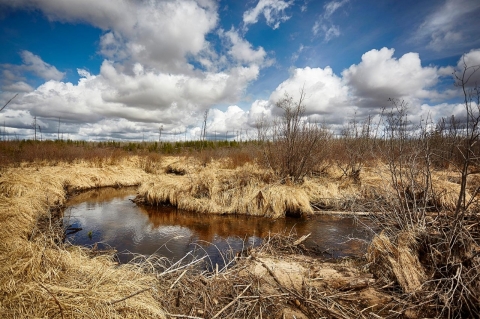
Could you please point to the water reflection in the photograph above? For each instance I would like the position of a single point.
(109, 217)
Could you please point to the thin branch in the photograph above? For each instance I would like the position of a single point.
(182, 316)
(54, 298)
(231, 303)
(8, 102)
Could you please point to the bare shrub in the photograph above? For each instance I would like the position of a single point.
(356, 144)
(445, 244)
(291, 143)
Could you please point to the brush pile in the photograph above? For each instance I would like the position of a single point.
(274, 281)
(437, 267)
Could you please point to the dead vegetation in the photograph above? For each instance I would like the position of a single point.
(420, 181)
(41, 278)
(247, 190)
(275, 281)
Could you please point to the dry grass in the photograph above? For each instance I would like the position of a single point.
(39, 278)
(397, 261)
(247, 190)
(190, 184)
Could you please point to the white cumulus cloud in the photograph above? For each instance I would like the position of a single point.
(241, 50)
(325, 93)
(380, 76)
(156, 33)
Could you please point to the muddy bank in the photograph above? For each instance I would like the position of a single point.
(277, 281)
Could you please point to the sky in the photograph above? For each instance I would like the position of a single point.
(123, 69)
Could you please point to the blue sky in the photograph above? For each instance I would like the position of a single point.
(120, 69)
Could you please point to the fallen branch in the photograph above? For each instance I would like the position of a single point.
(301, 239)
(231, 303)
(179, 277)
(185, 266)
(334, 212)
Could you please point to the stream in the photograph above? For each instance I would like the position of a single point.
(108, 218)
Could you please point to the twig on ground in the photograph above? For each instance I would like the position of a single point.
(129, 296)
(53, 296)
(231, 303)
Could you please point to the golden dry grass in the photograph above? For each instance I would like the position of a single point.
(397, 261)
(38, 279)
(251, 190)
(246, 190)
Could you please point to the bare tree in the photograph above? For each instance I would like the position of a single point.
(34, 125)
(204, 124)
(445, 244)
(356, 142)
(467, 148)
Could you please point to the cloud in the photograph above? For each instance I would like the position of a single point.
(325, 21)
(333, 6)
(35, 64)
(452, 26)
(144, 96)
(380, 76)
(241, 50)
(326, 94)
(157, 34)
(233, 119)
(13, 76)
(329, 32)
(470, 61)
(272, 10)
(159, 69)
(18, 87)
(297, 53)
(364, 88)
(127, 103)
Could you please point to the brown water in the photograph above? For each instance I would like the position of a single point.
(108, 217)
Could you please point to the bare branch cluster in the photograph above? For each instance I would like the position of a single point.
(291, 143)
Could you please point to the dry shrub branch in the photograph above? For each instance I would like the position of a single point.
(432, 252)
(292, 146)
